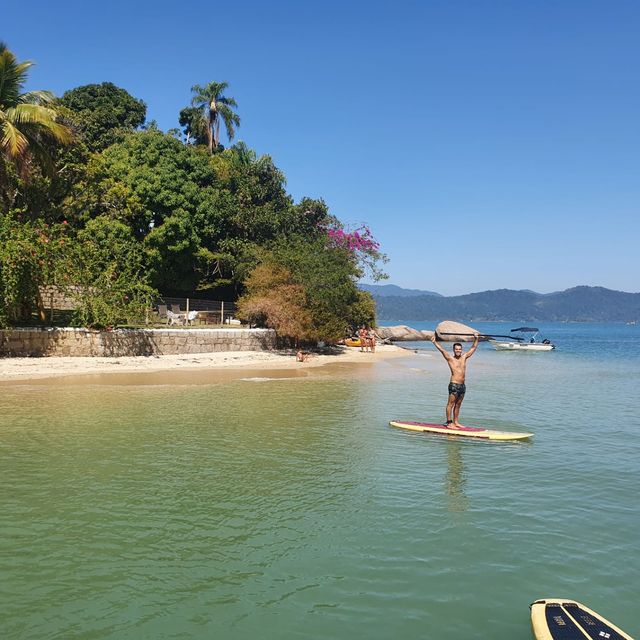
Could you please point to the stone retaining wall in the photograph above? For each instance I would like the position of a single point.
(131, 342)
(54, 298)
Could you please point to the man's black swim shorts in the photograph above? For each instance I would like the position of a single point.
(457, 389)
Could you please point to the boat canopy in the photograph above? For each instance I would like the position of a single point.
(526, 329)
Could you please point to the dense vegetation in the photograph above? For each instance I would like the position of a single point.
(578, 304)
(95, 201)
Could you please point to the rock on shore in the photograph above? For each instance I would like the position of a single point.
(450, 331)
(402, 333)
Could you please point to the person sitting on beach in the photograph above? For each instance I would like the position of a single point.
(457, 388)
(301, 356)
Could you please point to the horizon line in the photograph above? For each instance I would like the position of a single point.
(428, 292)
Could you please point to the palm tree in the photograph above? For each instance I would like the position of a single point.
(215, 107)
(27, 124)
(195, 125)
(242, 155)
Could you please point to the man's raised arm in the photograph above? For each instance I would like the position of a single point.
(471, 351)
(437, 346)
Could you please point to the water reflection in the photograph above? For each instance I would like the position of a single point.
(455, 478)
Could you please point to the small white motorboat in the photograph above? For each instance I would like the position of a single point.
(527, 340)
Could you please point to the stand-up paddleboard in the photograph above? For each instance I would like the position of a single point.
(469, 432)
(557, 619)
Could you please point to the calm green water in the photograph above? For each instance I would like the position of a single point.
(287, 508)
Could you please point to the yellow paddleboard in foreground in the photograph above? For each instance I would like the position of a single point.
(469, 432)
(558, 619)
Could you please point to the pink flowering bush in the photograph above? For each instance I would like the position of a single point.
(360, 240)
(363, 248)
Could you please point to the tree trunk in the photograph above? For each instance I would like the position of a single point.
(213, 117)
(40, 305)
(210, 139)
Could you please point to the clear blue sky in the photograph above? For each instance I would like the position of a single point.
(488, 144)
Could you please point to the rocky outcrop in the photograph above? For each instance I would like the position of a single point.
(450, 331)
(402, 333)
(447, 331)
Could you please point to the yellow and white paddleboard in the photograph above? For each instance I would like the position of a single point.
(469, 432)
(558, 619)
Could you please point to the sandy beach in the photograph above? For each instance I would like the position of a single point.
(26, 369)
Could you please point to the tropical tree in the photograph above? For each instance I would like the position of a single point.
(105, 113)
(214, 106)
(109, 270)
(274, 299)
(165, 192)
(32, 256)
(29, 127)
(306, 289)
(194, 126)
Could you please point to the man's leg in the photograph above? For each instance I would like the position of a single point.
(456, 410)
(449, 410)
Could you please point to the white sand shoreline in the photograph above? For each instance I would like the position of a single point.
(25, 369)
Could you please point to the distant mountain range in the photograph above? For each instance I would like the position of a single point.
(394, 290)
(578, 304)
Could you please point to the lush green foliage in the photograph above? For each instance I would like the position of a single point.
(105, 113)
(194, 126)
(199, 218)
(214, 107)
(30, 255)
(275, 300)
(362, 311)
(109, 275)
(28, 126)
(101, 267)
(165, 192)
(122, 212)
(45, 194)
(324, 278)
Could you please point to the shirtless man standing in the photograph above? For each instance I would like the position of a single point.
(458, 364)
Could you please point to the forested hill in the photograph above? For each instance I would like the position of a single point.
(395, 290)
(579, 304)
